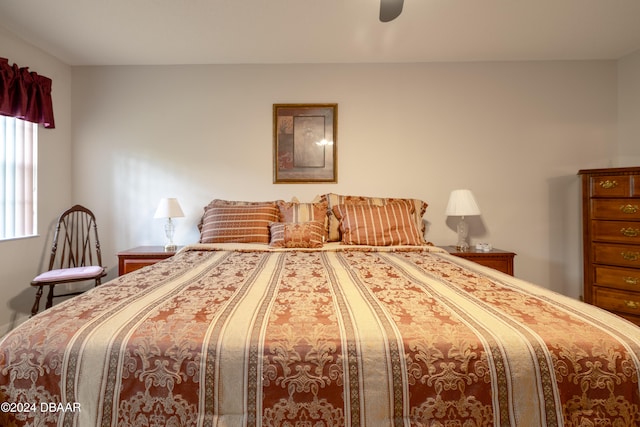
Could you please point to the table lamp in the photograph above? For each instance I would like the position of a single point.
(462, 203)
(169, 208)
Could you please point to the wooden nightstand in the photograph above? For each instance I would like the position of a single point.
(142, 256)
(495, 258)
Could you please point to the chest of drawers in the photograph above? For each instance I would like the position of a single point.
(611, 238)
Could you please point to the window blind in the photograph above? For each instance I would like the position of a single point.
(18, 183)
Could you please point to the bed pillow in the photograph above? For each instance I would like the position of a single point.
(229, 223)
(390, 224)
(304, 212)
(308, 234)
(222, 202)
(333, 199)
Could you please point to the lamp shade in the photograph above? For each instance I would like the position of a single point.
(462, 203)
(169, 208)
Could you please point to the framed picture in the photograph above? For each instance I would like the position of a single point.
(304, 143)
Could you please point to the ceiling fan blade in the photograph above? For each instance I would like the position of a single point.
(390, 9)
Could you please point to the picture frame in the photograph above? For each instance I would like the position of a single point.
(305, 143)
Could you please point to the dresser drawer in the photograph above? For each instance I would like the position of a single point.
(611, 186)
(620, 301)
(617, 231)
(621, 278)
(622, 255)
(624, 209)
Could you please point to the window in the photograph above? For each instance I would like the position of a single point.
(18, 183)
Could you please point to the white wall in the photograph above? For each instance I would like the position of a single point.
(21, 260)
(629, 110)
(514, 133)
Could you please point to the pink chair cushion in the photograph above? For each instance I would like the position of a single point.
(75, 273)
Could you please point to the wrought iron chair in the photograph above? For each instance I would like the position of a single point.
(75, 255)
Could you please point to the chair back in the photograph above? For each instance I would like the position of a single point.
(75, 242)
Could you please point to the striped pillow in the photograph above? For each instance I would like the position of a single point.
(391, 224)
(332, 199)
(238, 223)
(304, 212)
(223, 202)
(297, 235)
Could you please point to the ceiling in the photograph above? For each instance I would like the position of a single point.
(117, 32)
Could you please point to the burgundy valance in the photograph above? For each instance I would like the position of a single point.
(25, 95)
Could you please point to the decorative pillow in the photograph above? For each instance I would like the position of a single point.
(391, 224)
(308, 234)
(333, 199)
(304, 212)
(228, 223)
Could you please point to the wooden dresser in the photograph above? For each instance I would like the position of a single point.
(611, 227)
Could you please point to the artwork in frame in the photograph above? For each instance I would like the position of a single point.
(305, 146)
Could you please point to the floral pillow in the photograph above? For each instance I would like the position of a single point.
(304, 212)
(308, 234)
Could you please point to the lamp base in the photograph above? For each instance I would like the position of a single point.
(462, 248)
(168, 231)
(463, 232)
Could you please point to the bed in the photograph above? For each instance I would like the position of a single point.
(340, 334)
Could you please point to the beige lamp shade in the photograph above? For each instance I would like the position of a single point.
(169, 208)
(462, 203)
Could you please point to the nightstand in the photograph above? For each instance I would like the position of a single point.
(495, 258)
(141, 256)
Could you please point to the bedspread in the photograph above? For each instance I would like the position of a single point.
(344, 337)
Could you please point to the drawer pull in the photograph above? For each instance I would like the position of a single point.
(629, 209)
(632, 304)
(630, 232)
(629, 280)
(607, 185)
(630, 256)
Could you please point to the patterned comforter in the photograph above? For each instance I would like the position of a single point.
(221, 336)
